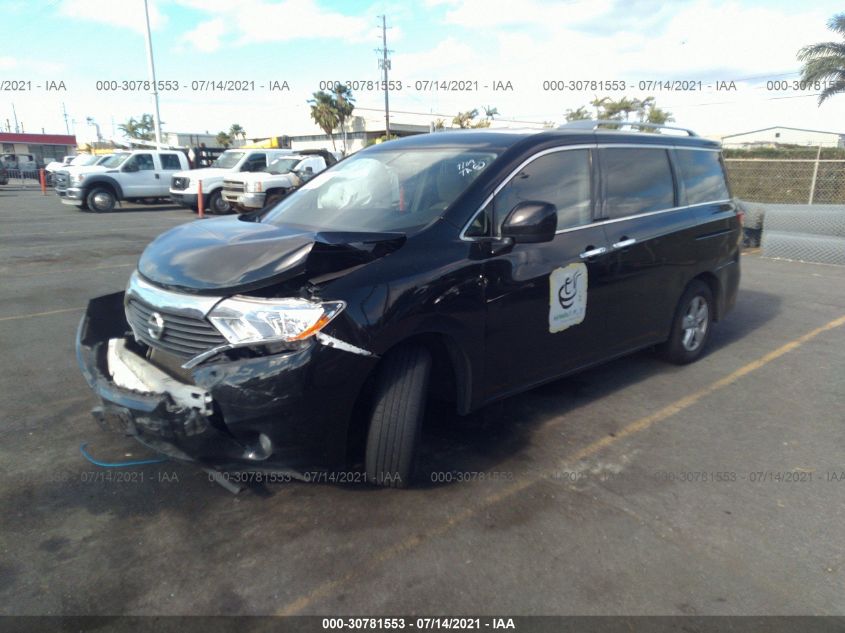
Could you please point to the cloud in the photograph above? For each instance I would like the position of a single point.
(206, 36)
(129, 15)
(261, 21)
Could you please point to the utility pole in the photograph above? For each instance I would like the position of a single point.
(15, 115)
(152, 74)
(64, 113)
(384, 64)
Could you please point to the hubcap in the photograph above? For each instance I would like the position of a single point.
(695, 322)
(220, 205)
(102, 199)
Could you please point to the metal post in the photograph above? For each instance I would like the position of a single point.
(152, 74)
(385, 63)
(815, 174)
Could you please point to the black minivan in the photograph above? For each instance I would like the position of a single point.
(471, 265)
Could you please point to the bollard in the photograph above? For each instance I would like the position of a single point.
(199, 199)
(43, 180)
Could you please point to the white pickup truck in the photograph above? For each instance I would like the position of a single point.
(133, 176)
(250, 192)
(183, 185)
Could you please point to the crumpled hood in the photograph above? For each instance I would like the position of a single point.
(235, 255)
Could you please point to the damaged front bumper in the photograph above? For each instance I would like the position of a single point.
(286, 410)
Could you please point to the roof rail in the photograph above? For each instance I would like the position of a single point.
(591, 124)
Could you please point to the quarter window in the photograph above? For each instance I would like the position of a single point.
(702, 174)
(560, 178)
(637, 180)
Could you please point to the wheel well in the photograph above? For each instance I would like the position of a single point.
(713, 283)
(449, 382)
(101, 185)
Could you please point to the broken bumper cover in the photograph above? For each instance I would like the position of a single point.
(287, 410)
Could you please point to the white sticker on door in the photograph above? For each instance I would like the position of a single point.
(568, 297)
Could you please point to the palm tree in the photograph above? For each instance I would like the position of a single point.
(825, 62)
(580, 114)
(464, 119)
(491, 112)
(130, 129)
(344, 104)
(224, 139)
(237, 131)
(324, 113)
(598, 104)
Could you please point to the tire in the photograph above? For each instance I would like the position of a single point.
(217, 205)
(691, 325)
(273, 198)
(396, 420)
(100, 200)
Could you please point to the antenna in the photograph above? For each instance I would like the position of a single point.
(384, 64)
(64, 113)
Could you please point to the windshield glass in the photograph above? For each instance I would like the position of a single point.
(282, 165)
(228, 159)
(115, 160)
(85, 159)
(384, 190)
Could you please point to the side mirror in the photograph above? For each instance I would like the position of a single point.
(131, 167)
(531, 222)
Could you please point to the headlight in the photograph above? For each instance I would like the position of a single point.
(244, 320)
(254, 187)
(77, 179)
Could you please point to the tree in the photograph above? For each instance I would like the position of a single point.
(825, 62)
(464, 119)
(581, 114)
(324, 113)
(143, 129)
(439, 124)
(344, 104)
(130, 129)
(224, 139)
(598, 104)
(490, 112)
(236, 131)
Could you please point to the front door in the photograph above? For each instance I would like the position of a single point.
(546, 303)
(140, 182)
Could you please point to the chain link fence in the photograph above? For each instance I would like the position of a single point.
(787, 181)
(24, 178)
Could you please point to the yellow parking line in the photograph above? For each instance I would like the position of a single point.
(637, 426)
(37, 314)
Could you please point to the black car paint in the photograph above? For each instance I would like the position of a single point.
(484, 307)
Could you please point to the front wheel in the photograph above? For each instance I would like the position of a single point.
(101, 200)
(398, 409)
(691, 326)
(217, 205)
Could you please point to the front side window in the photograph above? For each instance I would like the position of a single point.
(282, 165)
(702, 174)
(256, 162)
(560, 178)
(115, 160)
(228, 159)
(637, 180)
(144, 162)
(384, 190)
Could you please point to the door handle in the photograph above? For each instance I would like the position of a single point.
(593, 252)
(625, 241)
(157, 177)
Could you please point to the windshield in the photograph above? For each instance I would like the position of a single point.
(383, 190)
(228, 159)
(282, 165)
(85, 159)
(115, 160)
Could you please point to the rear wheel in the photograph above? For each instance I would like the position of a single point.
(691, 326)
(101, 200)
(396, 420)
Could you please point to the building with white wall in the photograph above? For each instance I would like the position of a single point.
(779, 135)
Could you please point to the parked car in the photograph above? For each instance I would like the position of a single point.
(61, 178)
(184, 187)
(470, 265)
(250, 192)
(139, 175)
(55, 165)
(4, 176)
(20, 162)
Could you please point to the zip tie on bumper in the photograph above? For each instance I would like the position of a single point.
(138, 462)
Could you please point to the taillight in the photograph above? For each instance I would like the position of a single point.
(740, 215)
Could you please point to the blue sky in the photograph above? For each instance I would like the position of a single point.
(306, 41)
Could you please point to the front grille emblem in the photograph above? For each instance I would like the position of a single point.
(155, 326)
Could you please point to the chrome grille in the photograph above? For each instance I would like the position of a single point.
(233, 185)
(61, 180)
(182, 335)
(179, 182)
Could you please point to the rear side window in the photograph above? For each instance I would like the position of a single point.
(170, 161)
(702, 175)
(637, 180)
(561, 178)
